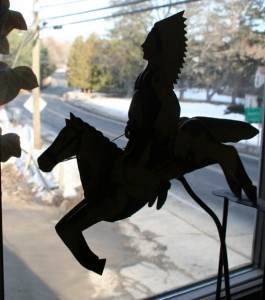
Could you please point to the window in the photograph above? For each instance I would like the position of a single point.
(172, 253)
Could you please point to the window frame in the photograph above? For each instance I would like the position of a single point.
(246, 280)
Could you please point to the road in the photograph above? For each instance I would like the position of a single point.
(157, 242)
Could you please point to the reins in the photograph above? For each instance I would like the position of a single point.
(118, 137)
(69, 158)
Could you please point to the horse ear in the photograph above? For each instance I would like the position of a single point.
(72, 116)
(67, 121)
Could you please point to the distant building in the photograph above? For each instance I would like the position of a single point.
(260, 77)
(259, 84)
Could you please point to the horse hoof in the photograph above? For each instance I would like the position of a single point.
(99, 268)
(238, 193)
(251, 193)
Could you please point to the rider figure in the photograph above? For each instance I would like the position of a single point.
(155, 111)
(153, 118)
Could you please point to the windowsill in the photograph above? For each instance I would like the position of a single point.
(242, 283)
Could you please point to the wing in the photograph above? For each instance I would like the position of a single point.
(224, 130)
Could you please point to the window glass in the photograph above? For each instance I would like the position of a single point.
(92, 76)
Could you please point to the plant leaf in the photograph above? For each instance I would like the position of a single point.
(11, 20)
(10, 146)
(12, 80)
(25, 78)
(5, 4)
(17, 20)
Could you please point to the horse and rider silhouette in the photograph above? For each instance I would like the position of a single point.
(162, 146)
(114, 190)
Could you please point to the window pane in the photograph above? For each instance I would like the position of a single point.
(153, 251)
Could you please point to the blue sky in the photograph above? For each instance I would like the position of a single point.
(55, 8)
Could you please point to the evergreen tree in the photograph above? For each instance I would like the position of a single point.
(78, 72)
(88, 64)
(47, 67)
(99, 75)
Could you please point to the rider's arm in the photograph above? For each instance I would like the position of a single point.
(168, 117)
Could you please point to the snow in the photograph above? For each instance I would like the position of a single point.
(200, 95)
(117, 108)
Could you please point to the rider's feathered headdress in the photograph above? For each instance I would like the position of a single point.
(170, 33)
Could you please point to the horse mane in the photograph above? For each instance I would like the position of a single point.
(99, 136)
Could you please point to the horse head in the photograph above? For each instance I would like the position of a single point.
(64, 146)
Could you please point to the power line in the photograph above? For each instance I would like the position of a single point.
(97, 9)
(59, 26)
(62, 3)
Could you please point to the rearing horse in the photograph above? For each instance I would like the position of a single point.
(114, 190)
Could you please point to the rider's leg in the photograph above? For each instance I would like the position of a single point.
(162, 164)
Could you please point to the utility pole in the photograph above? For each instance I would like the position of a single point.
(36, 70)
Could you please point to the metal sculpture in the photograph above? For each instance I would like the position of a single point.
(115, 190)
(162, 146)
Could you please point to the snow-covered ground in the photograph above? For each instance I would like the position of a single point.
(117, 108)
(200, 95)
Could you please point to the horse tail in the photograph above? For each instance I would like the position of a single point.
(224, 130)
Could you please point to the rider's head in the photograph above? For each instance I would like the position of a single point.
(150, 46)
(167, 42)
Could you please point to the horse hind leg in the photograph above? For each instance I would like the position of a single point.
(235, 173)
(247, 185)
(234, 185)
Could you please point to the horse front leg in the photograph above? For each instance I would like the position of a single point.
(81, 217)
(70, 228)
